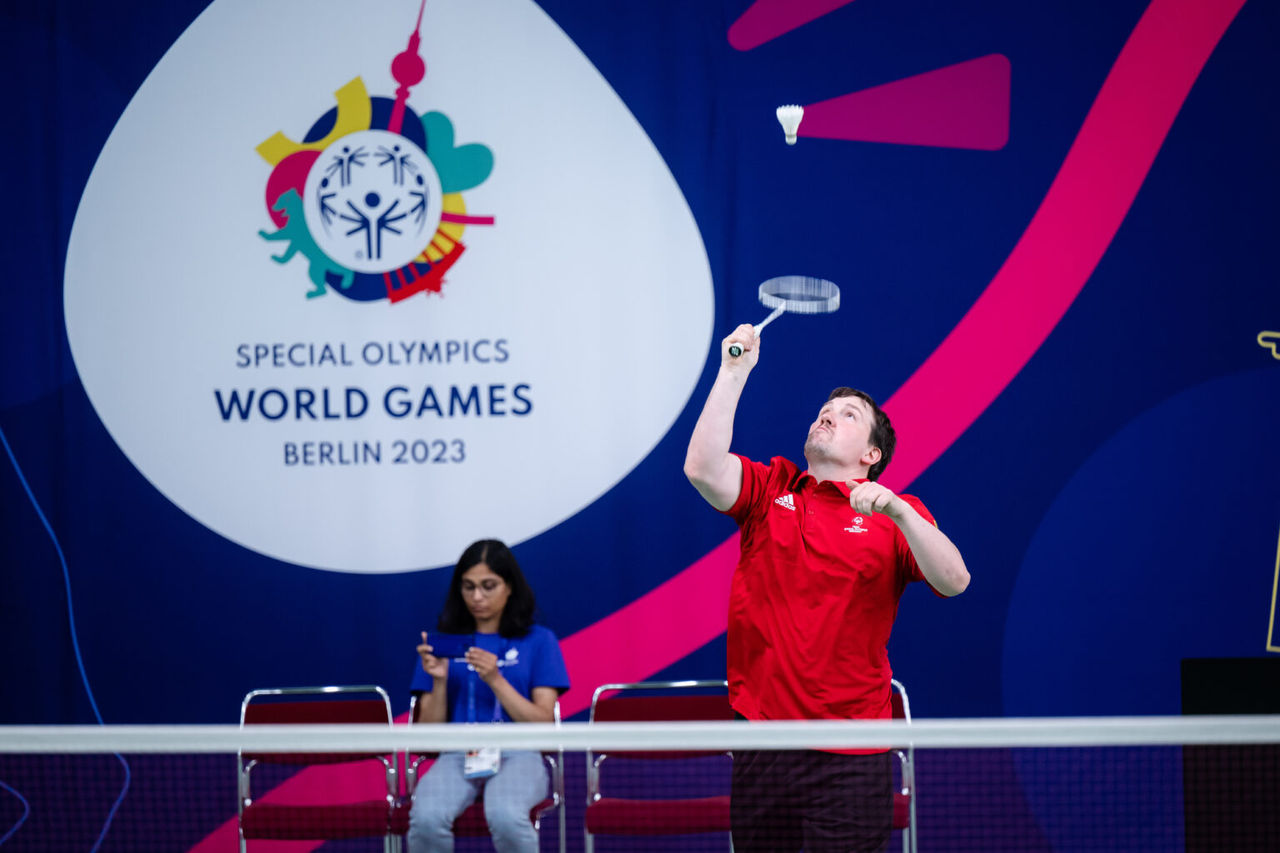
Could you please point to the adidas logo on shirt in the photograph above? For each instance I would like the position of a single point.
(786, 502)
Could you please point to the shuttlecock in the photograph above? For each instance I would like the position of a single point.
(789, 116)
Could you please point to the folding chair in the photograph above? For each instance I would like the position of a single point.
(314, 821)
(904, 799)
(471, 823)
(645, 702)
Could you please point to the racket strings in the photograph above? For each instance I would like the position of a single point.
(800, 294)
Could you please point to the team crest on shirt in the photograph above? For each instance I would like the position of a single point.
(512, 656)
(856, 527)
(786, 502)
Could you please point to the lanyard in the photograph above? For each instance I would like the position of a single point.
(472, 677)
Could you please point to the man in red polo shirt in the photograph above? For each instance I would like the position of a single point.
(826, 554)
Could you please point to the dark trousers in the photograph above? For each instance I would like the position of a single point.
(786, 800)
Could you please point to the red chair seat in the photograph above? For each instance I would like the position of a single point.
(901, 810)
(400, 817)
(612, 816)
(347, 820)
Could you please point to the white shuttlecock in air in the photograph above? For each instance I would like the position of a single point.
(789, 116)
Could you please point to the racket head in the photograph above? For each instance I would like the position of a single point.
(800, 294)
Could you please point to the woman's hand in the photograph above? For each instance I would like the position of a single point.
(485, 664)
(437, 668)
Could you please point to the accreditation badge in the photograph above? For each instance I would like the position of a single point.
(481, 763)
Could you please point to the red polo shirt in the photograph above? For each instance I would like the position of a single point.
(813, 599)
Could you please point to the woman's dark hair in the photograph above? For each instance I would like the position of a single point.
(517, 616)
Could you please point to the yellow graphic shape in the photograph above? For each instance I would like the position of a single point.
(448, 234)
(1271, 341)
(1271, 627)
(354, 113)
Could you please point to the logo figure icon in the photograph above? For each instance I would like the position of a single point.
(372, 195)
(856, 527)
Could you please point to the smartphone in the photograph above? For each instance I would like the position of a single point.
(450, 645)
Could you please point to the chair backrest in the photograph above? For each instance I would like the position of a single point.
(685, 803)
(654, 701)
(658, 701)
(318, 819)
(661, 708)
(661, 701)
(898, 700)
(345, 704)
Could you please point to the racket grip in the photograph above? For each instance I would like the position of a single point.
(735, 350)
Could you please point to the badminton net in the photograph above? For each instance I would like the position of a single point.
(1042, 784)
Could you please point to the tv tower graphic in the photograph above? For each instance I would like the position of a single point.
(371, 197)
(407, 69)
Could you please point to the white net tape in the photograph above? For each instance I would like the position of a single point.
(835, 734)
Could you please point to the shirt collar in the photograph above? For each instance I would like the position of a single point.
(804, 479)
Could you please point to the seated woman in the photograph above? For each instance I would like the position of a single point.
(513, 672)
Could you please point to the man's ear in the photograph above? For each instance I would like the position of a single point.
(871, 457)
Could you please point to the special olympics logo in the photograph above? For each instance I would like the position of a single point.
(372, 201)
(372, 195)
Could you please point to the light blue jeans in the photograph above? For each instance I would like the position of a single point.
(443, 793)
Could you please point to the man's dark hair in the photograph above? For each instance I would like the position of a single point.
(882, 434)
(517, 616)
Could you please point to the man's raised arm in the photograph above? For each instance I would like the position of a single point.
(714, 471)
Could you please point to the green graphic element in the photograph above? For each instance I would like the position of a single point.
(295, 231)
(460, 167)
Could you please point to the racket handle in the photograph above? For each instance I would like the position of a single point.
(777, 312)
(735, 350)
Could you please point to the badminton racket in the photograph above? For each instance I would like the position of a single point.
(798, 294)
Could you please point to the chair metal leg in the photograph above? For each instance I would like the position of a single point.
(911, 825)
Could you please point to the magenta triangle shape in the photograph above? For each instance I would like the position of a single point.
(960, 106)
(766, 20)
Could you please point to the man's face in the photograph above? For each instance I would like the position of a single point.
(842, 432)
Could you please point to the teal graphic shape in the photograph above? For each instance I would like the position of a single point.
(461, 167)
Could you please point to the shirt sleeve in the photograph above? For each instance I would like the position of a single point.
(755, 479)
(906, 560)
(548, 664)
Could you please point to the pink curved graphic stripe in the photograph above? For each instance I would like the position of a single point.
(654, 631)
(765, 20)
(1067, 236)
(1055, 256)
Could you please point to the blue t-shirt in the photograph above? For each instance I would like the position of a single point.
(533, 660)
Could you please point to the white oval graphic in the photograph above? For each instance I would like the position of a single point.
(350, 415)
